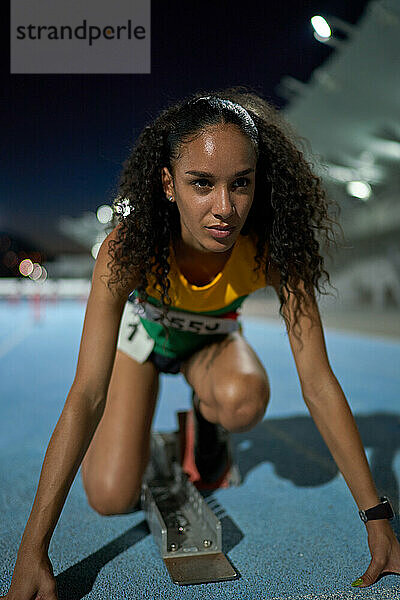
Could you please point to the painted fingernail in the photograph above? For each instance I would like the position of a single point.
(357, 582)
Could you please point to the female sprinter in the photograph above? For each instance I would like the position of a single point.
(215, 201)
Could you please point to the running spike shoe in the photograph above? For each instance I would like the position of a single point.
(212, 453)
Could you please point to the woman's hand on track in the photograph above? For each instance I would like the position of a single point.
(33, 578)
(385, 553)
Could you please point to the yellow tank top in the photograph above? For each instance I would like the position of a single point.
(221, 297)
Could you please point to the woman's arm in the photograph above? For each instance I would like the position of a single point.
(332, 415)
(76, 426)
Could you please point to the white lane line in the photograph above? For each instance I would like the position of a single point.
(16, 338)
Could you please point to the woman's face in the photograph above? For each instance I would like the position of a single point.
(213, 184)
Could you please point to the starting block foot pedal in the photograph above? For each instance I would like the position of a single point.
(206, 568)
(231, 477)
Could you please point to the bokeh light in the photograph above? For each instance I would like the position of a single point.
(104, 213)
(44, 275)
(95, 249)
(37, 272)
(359, 189)
(321, 27)
(26, 267)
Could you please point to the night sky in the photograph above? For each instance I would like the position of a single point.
(65, 136)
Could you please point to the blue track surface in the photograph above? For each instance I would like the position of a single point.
(292, 529)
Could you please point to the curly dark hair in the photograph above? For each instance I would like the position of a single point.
(289, 214)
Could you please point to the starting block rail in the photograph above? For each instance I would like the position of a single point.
(186, 530)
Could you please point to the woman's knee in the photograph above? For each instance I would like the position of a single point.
(242, 402)
(112, 497)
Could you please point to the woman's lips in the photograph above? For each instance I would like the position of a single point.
(220, 233)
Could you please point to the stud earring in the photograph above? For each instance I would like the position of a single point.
(171, 198)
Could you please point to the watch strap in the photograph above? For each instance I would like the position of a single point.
(383, 510)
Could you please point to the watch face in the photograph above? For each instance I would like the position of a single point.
(388, 507)
(390, 510)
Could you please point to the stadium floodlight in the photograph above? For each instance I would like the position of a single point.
(322, 31)
(359, 189)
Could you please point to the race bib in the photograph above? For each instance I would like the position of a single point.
(133, 339)
(184, 321)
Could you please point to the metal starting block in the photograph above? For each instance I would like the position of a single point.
(187, 532)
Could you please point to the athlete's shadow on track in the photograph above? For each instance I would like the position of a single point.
(298, 453)
(296, 449)
(77, 581)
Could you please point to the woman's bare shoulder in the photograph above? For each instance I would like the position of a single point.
(105, 272)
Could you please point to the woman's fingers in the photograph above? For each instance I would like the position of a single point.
(371, 574)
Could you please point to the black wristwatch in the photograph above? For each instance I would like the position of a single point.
(383, 510)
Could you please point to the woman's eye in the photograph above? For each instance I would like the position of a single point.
(245, 182)
(201, 181)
